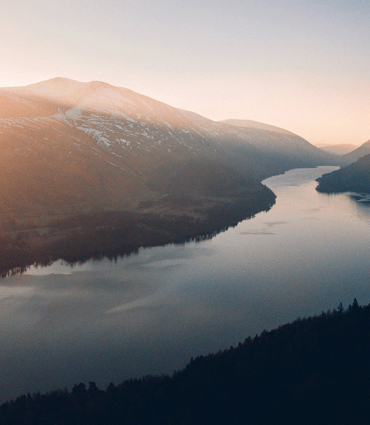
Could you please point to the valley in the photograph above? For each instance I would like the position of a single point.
(71, 152)
(184, 213)
(150, 312)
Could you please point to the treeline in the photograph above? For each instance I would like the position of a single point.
(313, 371)
(115, 234)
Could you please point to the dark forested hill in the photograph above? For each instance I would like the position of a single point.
(313, 371)
(353, 178)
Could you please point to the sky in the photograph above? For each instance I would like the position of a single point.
(303, 65)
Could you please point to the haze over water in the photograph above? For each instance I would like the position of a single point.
(149, 313)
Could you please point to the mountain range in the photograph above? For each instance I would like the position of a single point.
(72, 149)
(342, 149)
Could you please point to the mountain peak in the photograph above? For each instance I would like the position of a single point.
(99, 84)
(93, 95)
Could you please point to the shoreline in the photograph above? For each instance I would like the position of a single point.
(115, 234)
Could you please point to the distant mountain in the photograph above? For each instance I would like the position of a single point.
(73, 149)
(339, 149)
(283, 144)
(281, 141)
(353, 156)
(353, 178)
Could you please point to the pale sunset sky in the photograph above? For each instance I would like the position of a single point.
(303, 65)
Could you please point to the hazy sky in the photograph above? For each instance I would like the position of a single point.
(303, 65)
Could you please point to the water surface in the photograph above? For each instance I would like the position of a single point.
(149, 313)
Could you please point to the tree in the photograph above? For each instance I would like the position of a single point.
(354, 305)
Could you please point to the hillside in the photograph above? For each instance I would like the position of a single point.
(356, 154)
(353, 178)
(69, 150)
(313, 371)
(283, 144)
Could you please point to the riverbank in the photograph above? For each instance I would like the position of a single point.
(170, 219)
(353, 178)
(149, 313)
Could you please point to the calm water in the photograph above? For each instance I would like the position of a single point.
(151, 312)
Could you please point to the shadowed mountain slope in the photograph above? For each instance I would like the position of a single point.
(353, 178)
(284, 144)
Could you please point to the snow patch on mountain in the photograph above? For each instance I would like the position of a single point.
(74, 113)
(97, 135)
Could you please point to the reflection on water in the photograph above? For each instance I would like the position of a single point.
(362, 205)
(149, 313)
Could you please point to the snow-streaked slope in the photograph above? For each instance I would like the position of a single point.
(118, 118)
(63, 141)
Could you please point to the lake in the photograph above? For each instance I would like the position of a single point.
(151, 312)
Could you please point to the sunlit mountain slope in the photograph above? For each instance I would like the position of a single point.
(69, 148)
(99, 144)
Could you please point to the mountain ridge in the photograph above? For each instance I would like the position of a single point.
(256, 124)
(342, 149)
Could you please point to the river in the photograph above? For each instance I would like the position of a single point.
(151, 312)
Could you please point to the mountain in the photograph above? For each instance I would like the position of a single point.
(258, 125)
(312, 371)
(353, 156)
(72, 149)
(353, 178)
(339, 149)
(283, 144)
